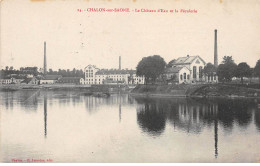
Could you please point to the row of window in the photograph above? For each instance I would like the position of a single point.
(89, 74)
(210, 77)
(185, 76)
(195, 72)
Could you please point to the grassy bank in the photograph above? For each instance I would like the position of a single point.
(196, 90)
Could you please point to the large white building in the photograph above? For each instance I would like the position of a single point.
(94, 75)
(188, 69)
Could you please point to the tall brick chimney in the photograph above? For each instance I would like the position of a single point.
(216, 50)
(119, 62)
(44, 63)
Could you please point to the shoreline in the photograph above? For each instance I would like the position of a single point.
(202, 91)
(147, 95)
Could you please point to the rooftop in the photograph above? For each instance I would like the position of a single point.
(52, 77)
(187, 60)
(70, 78)
(173, 69)
(114, 72)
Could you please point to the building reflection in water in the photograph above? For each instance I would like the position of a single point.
(45, 115)
(192, 116)
(120, 102)
(216, 136)
(93, 103)
(24, 98)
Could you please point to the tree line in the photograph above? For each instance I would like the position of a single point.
(153, 67)
(34, 71)
(229, 69)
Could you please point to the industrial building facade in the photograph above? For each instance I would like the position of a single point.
(188, 69)
(94, 75)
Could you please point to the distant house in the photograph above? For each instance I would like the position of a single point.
(50, 79)
(177, 75)
(189, 69)
(71, 80)
(32, 80)
(113, 76)
(12, 80)
(211, 78)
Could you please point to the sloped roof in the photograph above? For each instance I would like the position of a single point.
(69, 78)
(52, 77)
(15, 77)
(114, 72)
(173, 69)
(93, 66)
(187, 60)
(27, 80)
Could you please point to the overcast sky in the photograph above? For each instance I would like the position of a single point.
(76, 39)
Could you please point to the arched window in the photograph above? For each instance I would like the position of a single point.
(184, 75)
(200, 72)
(194, 72)
(181, 76)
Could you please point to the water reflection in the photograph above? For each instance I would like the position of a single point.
(151, 118)
(216, 136)
(192, 116)
(27, 99)
(140, 122)
(120, 102)
(45, 115)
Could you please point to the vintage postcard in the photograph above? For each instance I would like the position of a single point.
(129, 81)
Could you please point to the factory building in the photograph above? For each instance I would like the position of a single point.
(94, 75)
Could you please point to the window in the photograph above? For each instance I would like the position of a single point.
(184, 75)
(188, 76)
(194, 72)
(181, 77)
(200, 72)
(214, 77)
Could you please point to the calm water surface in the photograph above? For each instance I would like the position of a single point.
(64, 126)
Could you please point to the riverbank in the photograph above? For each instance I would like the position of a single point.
(68, 87)
(196, 90)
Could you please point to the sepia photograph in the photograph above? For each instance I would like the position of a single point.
(129, 81)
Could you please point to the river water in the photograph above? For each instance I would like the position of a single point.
(64, 126)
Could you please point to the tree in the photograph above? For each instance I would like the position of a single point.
(257, 70)
(227, 60)
(50, 72)
(209, 69)
(227, 69)
(151, 67)
(243, 70)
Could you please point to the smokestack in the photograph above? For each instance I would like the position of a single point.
(216, 50)
(44, 63)
(119, 62)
